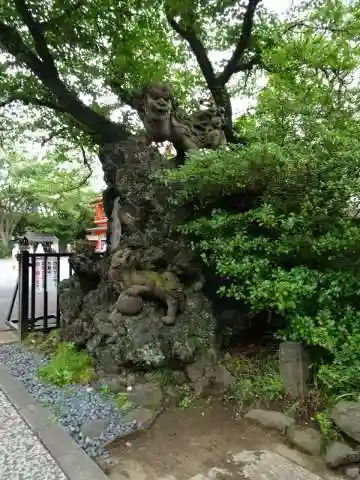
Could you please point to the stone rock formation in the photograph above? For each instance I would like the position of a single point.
(140, 305)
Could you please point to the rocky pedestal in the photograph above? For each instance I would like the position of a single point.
(141, 305)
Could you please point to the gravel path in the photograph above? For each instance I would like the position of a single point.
(22, 455)
(79, 409)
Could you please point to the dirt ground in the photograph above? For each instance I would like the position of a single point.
(186, 442)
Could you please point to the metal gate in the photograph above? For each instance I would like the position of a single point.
(37, 292)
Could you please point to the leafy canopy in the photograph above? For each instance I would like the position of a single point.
(70, 58)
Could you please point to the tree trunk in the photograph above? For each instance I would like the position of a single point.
(8, 224)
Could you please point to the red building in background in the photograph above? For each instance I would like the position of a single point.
(97, 234)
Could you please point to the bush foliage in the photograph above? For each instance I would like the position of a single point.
(278, 218)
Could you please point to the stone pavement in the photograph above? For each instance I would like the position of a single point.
(22, 455)
(259, 465)
(32, 446)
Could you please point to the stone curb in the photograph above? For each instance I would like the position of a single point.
(70, 457)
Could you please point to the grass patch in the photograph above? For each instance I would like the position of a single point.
(259, 384)
(122, 401)
(46, 344)
(167, 378)
(186, 397)
(68, 366)
(258, 381)
(327, 427)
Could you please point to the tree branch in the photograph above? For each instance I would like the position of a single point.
(40, 102)
(37, 33)
(188, 34)
(53, 135)
(217, 83)
(256, 61)
(44, 68)
(242, 44)
(88, 166)
(83, 181)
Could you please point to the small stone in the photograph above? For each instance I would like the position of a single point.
(353, 472)
(290, 454)
(337, 454)
(306, 439)
(346, 416)
(270, 419)
(146, 395)
(197, 370)
(217, 473)
(114, 382)
(209, 379)
(128, 305)
(220, 380)
(94, 428)
(144, 417)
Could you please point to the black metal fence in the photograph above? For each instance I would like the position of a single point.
(32, 292)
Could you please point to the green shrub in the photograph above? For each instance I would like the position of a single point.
(122, 401)
(278, 220)
(327, 427)
(68, 366)
(294, 250)
(275, 222)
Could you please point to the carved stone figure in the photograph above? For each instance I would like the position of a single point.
(164, 286)
(155, 105)
(163, 120)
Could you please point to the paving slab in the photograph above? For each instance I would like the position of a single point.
(22, 455)
(8, 336)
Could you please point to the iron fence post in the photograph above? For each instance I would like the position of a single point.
(23, 293)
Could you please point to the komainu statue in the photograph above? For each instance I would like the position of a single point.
(163, 120)
(164, 286)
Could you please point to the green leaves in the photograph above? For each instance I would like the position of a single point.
(276, 219)
(48, 194)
